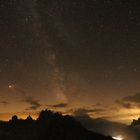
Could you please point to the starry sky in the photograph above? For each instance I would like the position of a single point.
(77, 57)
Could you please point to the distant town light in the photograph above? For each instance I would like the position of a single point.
(118, 138)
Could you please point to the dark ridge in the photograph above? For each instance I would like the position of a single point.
(48, 126)
(135, 123)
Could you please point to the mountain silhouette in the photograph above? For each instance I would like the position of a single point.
(101, 125)
(48, 126)
(135, 123)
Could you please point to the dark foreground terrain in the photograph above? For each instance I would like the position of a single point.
(48, 126)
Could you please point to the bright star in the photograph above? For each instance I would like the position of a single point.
(11, 86)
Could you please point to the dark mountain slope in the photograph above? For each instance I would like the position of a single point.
(48, 126)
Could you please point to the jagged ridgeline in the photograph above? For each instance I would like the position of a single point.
(48, 126)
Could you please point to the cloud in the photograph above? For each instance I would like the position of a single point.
(61, 105)
(127, 105)
(130, 102)
(84, 111)
(4, 102)
(34, 104)
(124, 104)
(134, 98)
(101, 125)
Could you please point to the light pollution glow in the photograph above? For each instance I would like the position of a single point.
(118, 138)
(122, 115)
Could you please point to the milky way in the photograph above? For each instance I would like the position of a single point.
(80, 54)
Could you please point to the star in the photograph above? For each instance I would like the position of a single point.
(11, 86)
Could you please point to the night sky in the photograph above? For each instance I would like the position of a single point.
(75, 56)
